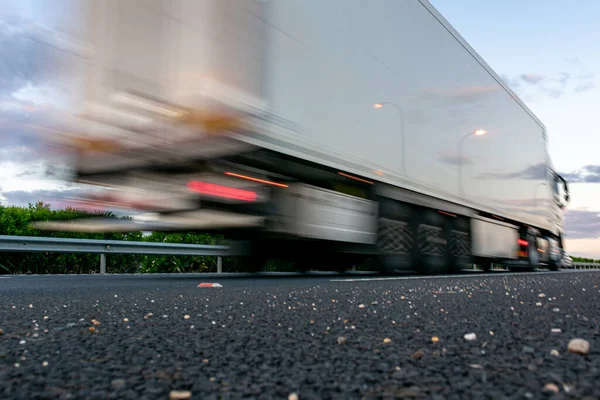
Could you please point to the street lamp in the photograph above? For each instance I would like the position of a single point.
(400, 112)
(478, 132)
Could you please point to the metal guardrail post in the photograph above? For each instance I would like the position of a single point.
(219, 265)
(103, 263)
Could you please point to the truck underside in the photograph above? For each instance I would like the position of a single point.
(272, 205)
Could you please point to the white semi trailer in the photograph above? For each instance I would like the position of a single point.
(344, 127)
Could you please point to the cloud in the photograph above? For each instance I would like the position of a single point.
(23, 198)
(586, 174)
(454, 159)
(582, 224)
(533, 172)
(533, 79)
(25, 59)
(563, 78)
(530, 85)
(585, 86)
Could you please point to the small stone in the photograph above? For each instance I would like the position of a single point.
(31, 306)
(22, 342)
(95, 322)
(180, 395)
(92, 329)
(538, 304)
(556, 330)
(125, 319)
(550, 388)
(1, 332)
(435, 339)
(527, 349)
(293, 396)
(45, 363)
(312, 322)
(491, 333)
(387, 340)
(118, 383)
(470, 337)
(554, 353)
(205, 361)
(541, 295)
(417, 355)
(374, 303)
(361, 306)
(342, 340)
(186, 317)
(45, 317)
(476, 366)
(579, 346)
(556, 309)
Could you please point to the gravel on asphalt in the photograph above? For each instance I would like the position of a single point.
(123, 337)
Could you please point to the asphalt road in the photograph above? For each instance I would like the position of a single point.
(318, 337)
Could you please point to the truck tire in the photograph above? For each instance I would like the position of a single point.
(256, 258)
(533, 254)
(432, 243)
(396, 236)
(556, 262)
(533, 260)
(461, 256)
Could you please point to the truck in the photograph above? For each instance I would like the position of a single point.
(326, 133)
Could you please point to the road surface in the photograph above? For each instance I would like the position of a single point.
(318, 337)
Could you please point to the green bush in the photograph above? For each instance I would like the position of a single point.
(16, 221)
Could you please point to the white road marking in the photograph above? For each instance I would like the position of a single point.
(474, 275)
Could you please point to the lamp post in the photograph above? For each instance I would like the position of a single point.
(479, 132)
(402, 119)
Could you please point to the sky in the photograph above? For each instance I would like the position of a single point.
(547, 51)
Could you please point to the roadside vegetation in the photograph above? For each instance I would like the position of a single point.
(16, 221)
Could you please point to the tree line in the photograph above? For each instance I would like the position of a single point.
(16, 221)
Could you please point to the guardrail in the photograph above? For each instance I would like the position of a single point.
(104, 247)
(578, 265)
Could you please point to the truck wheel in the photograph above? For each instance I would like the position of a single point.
(556, 261)
(253, 263)
(395, 239)
(461, 256)
(432, 243)
(533, 254)
(487, 266)
(256, 258)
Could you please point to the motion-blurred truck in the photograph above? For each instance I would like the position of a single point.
(318, 131)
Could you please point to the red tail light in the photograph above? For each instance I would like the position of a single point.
(221, 191)
(523, 242)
